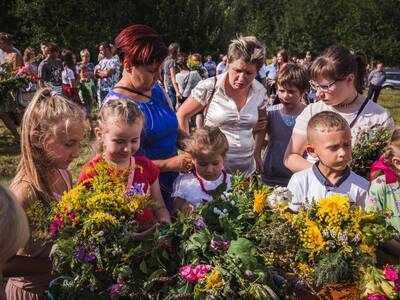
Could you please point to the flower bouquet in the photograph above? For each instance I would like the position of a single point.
(11, 81)
(105, 246)
(369, 146)
(378, 284)
(216, 259)
(336, 241)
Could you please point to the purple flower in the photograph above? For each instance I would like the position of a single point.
(91, 257)
(117, 288)
(82, 255)
(200, 224)
(136, 189)
(225, 245)
(248, 273)
(215, 244)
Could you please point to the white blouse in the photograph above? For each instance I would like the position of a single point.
(236, 125)
(188, 188)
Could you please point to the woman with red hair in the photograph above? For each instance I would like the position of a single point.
(142, 52)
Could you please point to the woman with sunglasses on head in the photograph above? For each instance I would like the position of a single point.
(337, 77)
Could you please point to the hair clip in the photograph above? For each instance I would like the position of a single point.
(53, 93)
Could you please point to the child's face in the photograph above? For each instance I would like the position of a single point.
(64, 146)
(289, 94)
(120, 140)
(209, 166)
(332, 148)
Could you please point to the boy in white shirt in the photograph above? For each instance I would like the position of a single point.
(329, 141)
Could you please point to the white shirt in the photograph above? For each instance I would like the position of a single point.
(372, 114)
(67, 75)
(310, 185)
(187, 187)
(236, 125)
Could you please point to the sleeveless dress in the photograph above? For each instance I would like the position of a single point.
(159, 135)
(33, 287)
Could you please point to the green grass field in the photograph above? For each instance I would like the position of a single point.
(9, 153)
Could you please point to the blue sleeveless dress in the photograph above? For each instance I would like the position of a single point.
(159, 135)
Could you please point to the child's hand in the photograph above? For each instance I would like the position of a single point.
(141, 235)
(187, 207)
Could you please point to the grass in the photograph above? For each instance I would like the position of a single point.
(9, 153)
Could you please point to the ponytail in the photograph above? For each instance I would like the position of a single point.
(361, 70)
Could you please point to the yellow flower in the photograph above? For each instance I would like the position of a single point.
(333, 210)
(305, 270)
(214, 281)
(260, 201)
(312, 238)
(100, 217)
(364, 248)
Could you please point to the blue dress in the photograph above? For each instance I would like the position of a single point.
(159, 135)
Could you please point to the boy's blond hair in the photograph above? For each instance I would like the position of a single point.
(294, 75)
(326, 121)
(43, 113)
(13, 224)
(209, 140)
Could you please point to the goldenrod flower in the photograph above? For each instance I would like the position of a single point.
(364, 248)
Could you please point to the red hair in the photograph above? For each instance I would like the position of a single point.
(140, 45)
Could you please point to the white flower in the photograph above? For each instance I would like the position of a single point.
(232, 203)
(225, 211)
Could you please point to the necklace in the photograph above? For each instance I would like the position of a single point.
(343, 105)
(132, 90)
(201, 182)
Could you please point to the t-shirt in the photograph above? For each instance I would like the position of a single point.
(167, 65)
(372, 114)
(187, 187)
(67, 75)
(310, 185)
(146, 173)
(211, 67)
(50, 71)
(262, 73)
(384, 198)
(377, 77)
(271, 71)
(280, 128)
(186, 82)
(106, 84)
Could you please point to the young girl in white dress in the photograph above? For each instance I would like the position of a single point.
(208, 147)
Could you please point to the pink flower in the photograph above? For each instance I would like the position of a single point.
(194, 274)
(391, 274)
(55, 226)
(214, 244)
(376, 296)
(396, 287)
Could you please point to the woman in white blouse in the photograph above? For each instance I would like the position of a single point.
(234, 102)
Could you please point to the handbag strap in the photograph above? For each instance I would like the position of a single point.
(205, 111)
(359, 112)
(131, 90)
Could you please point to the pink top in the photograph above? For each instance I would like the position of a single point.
(380, 165)
(38, 284)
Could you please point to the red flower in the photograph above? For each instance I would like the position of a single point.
(146, 217)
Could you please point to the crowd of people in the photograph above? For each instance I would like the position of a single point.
(249, 116)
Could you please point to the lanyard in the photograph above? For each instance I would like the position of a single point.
(131, 174)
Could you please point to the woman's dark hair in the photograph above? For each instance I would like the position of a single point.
(173, 50)
(284, 54)
(28, 54)
(140, 45)
(181, 61)
(105, 45)
(337, 62)
(6, 38)
(68, 59)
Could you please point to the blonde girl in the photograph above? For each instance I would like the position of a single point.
(14, 229)
(208, 147)
(51, 134)
(120, 124)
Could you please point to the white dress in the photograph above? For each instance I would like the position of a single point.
(187, 187)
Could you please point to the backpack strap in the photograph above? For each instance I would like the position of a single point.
(205, 111)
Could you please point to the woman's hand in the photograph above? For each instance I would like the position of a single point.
(259, 164)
